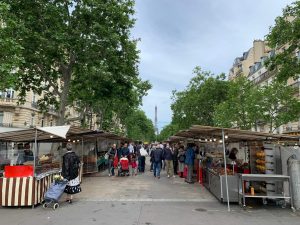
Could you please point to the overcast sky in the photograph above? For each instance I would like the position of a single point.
(177, 35)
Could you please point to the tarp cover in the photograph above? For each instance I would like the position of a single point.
(60, 131)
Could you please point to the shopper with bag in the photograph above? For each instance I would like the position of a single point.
(70, 171)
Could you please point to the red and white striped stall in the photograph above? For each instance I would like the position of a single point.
(24, 191)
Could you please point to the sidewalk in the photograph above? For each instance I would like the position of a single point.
(145, 200)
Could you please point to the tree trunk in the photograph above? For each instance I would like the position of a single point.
(64, 97)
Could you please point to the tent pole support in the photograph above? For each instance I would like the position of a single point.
(225, 167)
(35, 152)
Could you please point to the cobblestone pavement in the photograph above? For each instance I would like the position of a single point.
(145, 200)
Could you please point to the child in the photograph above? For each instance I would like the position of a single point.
(133, 165)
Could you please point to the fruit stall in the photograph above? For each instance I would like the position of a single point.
(259, 154)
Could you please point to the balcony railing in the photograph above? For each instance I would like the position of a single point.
(266, 75)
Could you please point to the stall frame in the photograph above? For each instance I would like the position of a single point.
(200, 133)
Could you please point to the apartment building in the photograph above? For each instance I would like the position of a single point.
(241, 65)
(28, 115)
(253, 67)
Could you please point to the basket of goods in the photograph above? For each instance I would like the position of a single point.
(58, 178)
(44, 159)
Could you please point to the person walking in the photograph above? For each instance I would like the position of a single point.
(70, 171)
(111, 156)
(157, 159)
(143, 154)
(189, 161)
(181, 160)
(168, 157)
(152, 157)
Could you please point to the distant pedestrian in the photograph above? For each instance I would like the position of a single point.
(111, 156)
(133, 163)
(162, 146)
(175, 158)
(168, 157)
(125, 151)
(189, 161)
(70, 171)
(157, 161)
(152, 157)
(181, 160)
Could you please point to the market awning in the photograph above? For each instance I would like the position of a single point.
(57, 134)
(51, 134)
(202, 133)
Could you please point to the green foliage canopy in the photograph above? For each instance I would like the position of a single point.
(284, 36)
(196, 104)
(70, 51)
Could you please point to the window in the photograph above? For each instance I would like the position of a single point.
(32, 120)
(1, 117)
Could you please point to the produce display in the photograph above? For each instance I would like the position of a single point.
(260, 161)
(221, 171)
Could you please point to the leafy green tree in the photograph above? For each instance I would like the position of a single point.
(279, 105)
(197, 103)
(167, 131)
(73, 51)
(242, 108)
(10, 57)
(139, 127)
(284, 36)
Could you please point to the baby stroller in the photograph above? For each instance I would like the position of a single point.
(123, 169)
(54, 193)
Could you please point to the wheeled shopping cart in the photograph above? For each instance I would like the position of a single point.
(54, 193)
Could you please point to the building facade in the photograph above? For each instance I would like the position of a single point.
(252, 66)
(13, 114)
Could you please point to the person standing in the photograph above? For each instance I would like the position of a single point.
(181, 160)
(70, 171)
(175, 159)
(111, 156)
(131, 148)
(168, 157)
(189, 161)
(125, 151)
(157, 159)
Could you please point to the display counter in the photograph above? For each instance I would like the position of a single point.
(25, 191)
(216, 184)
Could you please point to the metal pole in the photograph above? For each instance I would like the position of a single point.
(225, 167)
(35, 151)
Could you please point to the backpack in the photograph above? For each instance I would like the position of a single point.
(181, 158)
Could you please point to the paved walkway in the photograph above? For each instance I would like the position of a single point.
(144, 200)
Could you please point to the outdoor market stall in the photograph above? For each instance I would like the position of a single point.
(30, 171)
(259, 153)
(91, 148)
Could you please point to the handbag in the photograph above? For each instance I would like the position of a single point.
(106, 156)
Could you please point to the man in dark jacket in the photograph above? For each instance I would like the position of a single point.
(189, 161)
(125, 151)
(157, 159)
(168, 157)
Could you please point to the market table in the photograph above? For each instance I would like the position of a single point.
(263, 178)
